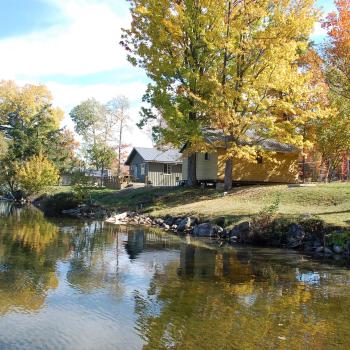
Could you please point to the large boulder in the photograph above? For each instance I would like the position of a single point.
(241, 232)
(159, 221)
(323, 250)
(295, 236)
(206, 230)
(185, 224)
(338, 249)
(169, 220)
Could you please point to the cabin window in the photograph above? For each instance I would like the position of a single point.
(206, 156)
(143, 169)
(259, 159)
(166, 169)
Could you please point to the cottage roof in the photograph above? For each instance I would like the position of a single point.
(155, 155)
(217, 137)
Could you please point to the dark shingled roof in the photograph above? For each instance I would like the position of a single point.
(155, 155)
(217, 137)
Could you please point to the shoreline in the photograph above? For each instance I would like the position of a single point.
(306, 233)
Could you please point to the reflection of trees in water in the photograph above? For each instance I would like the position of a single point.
(140, 240)
(6, 208)
(213, 301)
(29, 246)
(93, 262)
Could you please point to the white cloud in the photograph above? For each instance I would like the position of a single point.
(87, 42)
(68, 96)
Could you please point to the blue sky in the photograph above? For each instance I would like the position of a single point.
(72, 47)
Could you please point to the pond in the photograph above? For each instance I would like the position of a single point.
(68, 284)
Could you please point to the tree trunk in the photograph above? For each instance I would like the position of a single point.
(191, 171)
(228, 174)
(102, 171)
(120, 148)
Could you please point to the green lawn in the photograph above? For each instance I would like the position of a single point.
(331, 202)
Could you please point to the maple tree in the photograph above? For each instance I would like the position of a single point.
(337, 49)
(31, 126)
(228, 65)
(334, 133)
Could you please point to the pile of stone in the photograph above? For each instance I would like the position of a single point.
(295, 237)
(85, 211)
(180, 225)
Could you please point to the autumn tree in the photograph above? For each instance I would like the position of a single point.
(337, 49)
(173, 42)
(36, 174)
(117, 110)
(30, 125)
(334, 134)
(228, 65)
(102, 127)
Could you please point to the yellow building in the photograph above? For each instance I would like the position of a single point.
(282, 167)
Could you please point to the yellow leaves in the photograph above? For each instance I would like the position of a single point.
(36, 174)
(28, 101)
(141, 10)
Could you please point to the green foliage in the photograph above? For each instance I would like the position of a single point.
(36, 174)
(101, 156)
(262, 223)
(339, 238)
(87, 118)
(54, 204)
(3, 146)
(81, 186)
(30, 126)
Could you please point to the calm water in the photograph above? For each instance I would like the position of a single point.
(71, 285)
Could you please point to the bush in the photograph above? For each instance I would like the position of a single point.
(36, 174)
(81, 186)
(262, 225)
(53, 205)
(338, 238)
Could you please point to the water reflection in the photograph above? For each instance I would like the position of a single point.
(68, 284)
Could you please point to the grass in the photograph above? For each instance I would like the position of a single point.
(330, 202)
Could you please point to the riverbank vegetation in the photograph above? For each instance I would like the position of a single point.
(329, 202)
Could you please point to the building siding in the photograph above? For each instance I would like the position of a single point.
(285, 170)
(205, 169)
(137, 161)
(157, 177)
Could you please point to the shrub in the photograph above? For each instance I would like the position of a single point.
(338, 238)
(36, 174)
(81, 186)
(53, 205)
(262, 223)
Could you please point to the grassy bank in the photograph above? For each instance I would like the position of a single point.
(330, 202)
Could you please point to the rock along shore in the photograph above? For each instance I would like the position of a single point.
(295, 236)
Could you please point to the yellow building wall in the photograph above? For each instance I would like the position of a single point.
(285, 170)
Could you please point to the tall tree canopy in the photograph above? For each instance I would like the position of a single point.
(229, 65)
(337, 49)
(31, 126)
(101, 127)
(334, 133)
